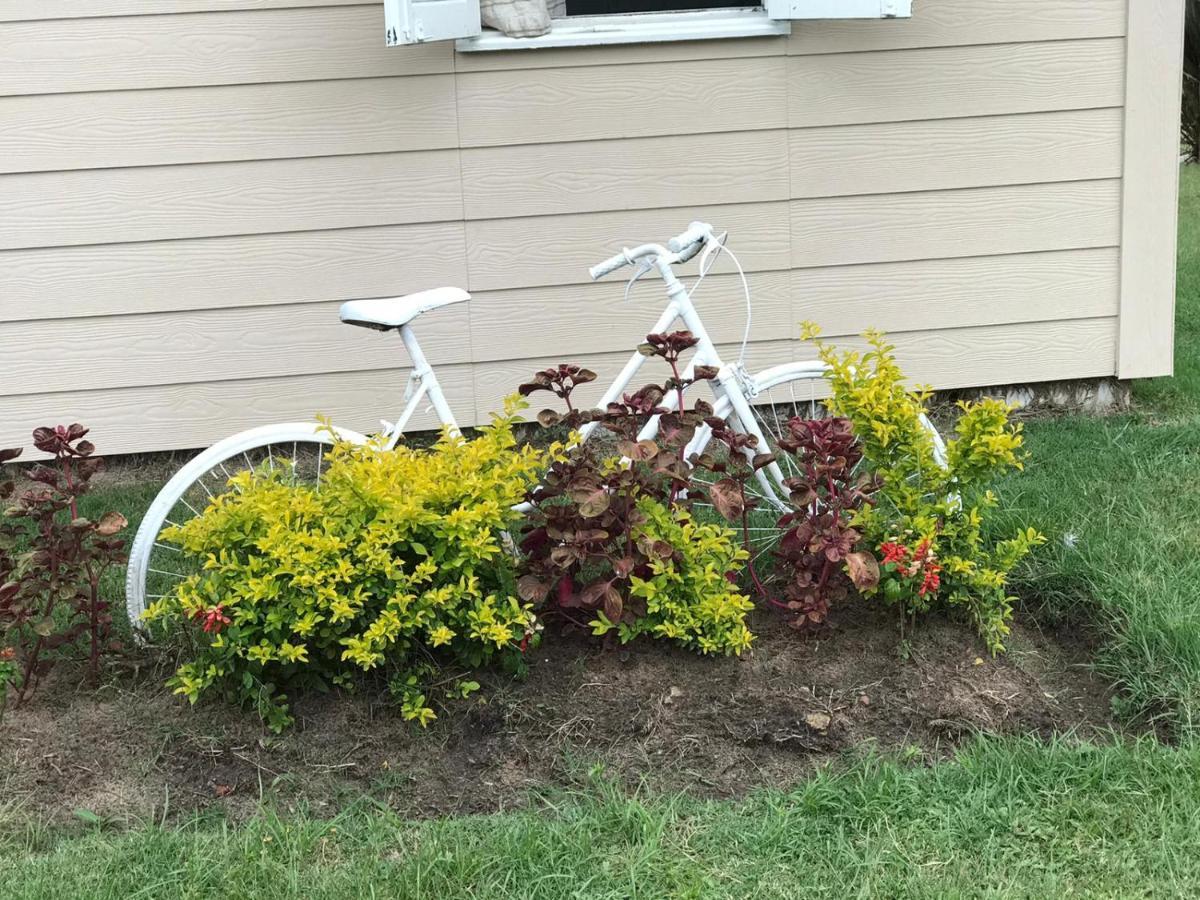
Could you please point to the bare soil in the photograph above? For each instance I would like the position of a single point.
(646, 713)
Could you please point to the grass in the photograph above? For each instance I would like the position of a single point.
(1014, 819)
(1120, 499)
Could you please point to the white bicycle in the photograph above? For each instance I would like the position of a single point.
(748, 402)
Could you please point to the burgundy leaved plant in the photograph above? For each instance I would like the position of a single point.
(583, 545)
(52, 560)
(817, 554)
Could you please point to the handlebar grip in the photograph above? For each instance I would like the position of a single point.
(609, 265)
(695, 234)
(690, 251)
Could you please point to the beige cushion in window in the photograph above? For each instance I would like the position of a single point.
(516, 18)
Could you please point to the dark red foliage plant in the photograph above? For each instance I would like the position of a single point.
(582, 546)
(52, 560)
(817, 554)
(731, 471)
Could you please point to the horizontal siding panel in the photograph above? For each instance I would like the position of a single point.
(30, 10)
(495, 381)
(894, 157)
(1021, 353)
(254, 270)
(247, 47)
(239, 122)
(983, 221)
(599, 102)
(621, 54)
(957, 293)
(547, 250)
(190, 416)
(943, 23)
(624, 174)
(213, 345)
(166, 202)
(596, 318)
(853, 88)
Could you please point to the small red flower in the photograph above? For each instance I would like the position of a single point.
(893, 552)
(214, 619)
(932, 581)
(7, 653)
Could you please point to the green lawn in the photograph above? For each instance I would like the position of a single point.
(1016, 819)
(1120, 500)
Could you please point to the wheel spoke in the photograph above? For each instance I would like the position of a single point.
(163, 566)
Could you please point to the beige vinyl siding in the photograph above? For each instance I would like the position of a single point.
(188, 187)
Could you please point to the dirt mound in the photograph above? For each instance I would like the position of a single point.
(715, 727)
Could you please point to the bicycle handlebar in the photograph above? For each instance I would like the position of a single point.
(680, 248)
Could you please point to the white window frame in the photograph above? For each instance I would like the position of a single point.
(418, 21)
(637, 28)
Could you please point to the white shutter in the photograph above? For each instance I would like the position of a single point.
(417, 21)
(839, 9)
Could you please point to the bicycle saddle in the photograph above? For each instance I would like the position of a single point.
(385, 313)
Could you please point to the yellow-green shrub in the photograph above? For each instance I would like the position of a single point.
(397, 552)
(687, 596)
(928, 522)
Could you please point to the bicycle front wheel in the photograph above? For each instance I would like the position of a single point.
(155, 567)
(772, 398)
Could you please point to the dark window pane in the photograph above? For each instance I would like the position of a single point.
(608, 7)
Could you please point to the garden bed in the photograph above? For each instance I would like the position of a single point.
(678, 721)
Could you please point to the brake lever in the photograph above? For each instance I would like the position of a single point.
(712, 249)
(644, 266)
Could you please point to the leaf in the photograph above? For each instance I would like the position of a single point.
(86, 815)
(583, 376)
(45, 627)
(613, 606)
(624, 566)
(647, 350)
(110, 523)
(9, 453)
(532, 588)
(639, 450)
(594, 594)
(548, 418)
(863, 570)
(705, 373)
(727, 497)
(762, 459)
(594, 503)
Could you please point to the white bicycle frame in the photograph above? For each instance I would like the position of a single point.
(727, 387)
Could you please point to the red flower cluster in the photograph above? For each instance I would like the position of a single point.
(7, 653)
(214, 619)
(920, 562)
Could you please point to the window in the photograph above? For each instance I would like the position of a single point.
(566, 23)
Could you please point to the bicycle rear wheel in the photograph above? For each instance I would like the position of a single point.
(155, 567)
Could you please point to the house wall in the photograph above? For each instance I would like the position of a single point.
(189, 187)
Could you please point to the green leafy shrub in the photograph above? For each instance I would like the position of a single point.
(397, 556)
(927, 523)
(686, 595)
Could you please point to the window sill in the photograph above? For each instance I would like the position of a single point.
(587, 31)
